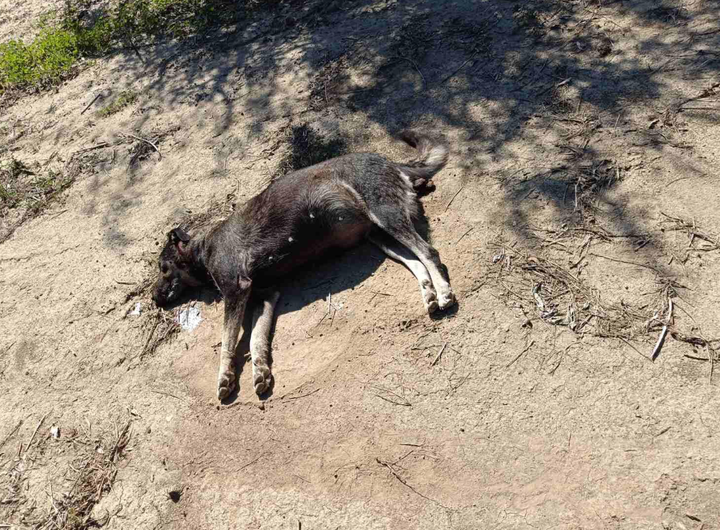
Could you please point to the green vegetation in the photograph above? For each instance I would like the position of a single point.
(10, 172)
(46, 59)
(125, 98)
(78, 32)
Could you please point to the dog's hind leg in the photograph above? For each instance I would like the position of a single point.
(398, 224)
(260, 343)
(398, 252)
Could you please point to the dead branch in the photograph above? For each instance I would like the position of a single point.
(35, 431)
(90, 104)
(453, 197)
(10, 434)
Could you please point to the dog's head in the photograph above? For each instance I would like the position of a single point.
(177, 269)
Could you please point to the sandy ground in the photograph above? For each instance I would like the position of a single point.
(572, 140)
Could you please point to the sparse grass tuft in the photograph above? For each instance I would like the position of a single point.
(16, 189)
(11, 172)
(123, 100)
(27, 190)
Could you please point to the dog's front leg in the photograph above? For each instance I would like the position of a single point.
(260, 342)
(234, 312)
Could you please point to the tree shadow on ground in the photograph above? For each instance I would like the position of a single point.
(553, 75)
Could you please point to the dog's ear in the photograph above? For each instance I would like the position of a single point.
(178, 234)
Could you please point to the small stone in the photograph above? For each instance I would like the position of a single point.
(175, 495)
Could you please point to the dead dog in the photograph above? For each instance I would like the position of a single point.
(300, 216)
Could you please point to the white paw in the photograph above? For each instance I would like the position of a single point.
(429, 297)
(446, 299)
(261, 379)
(226, 384)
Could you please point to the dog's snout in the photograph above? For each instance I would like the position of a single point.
(157, 298)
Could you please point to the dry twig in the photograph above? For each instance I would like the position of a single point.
(437, 357)
(453, 197)
(520, 354)
(151, 144)
(90, 104)
(10, 434)
(395, 474)
(35, 431)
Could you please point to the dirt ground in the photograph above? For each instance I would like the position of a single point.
(578, 217)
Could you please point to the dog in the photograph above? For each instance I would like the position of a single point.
(300, 216)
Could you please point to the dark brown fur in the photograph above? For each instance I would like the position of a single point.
(300, 217)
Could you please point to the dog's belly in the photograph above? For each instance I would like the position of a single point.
(312, 247)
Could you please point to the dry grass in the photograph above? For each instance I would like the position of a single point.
(699, 240)
(590, 180)
(28, 190)
(161, 326)
(88, 476)
(559, 297)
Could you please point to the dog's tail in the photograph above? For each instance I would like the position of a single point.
(433, 155)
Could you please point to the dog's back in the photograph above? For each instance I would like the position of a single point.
(333, 204)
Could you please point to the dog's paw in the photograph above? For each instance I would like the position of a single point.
(429, 296)
(447, 299)
(262, 377)
(226, 384)
(430, 299)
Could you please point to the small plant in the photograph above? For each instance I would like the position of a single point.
(20, 186)
(38, 193)
(45, 60)
(10, 172)
(125, 99)
(7, 195)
